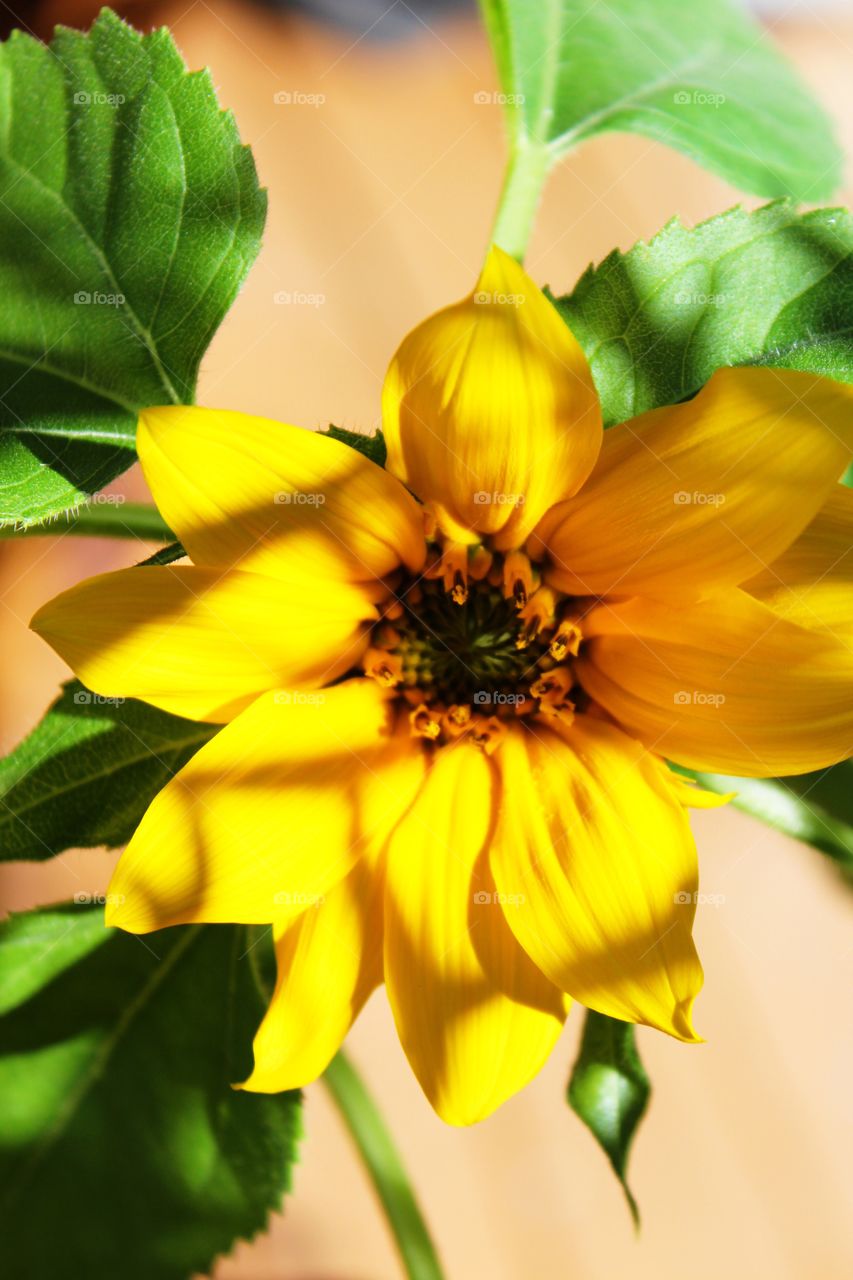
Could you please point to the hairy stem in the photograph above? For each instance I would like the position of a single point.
(101, 520)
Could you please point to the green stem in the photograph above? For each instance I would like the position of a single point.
(101, 520)
(377, 1150)
(528, 168)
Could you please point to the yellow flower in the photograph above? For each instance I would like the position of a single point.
(446, 715)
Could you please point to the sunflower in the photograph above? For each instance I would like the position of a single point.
(449, 687)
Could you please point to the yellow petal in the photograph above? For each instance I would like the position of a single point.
(594, 849)
(723, 685)
(258, 494)
(489, 409)
(702, 495)
(328, 961)
(270, 814)
(475, 1017)
(201, 642)
(812, 582)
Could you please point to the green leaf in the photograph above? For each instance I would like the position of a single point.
(773, 287)
(609, 1090)
(36, 947)
(698, 77)
(119, 1123)
(88, 771)
(129, 216)
(816, 808)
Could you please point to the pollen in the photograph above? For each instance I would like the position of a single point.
(567, 640)
(474, 642)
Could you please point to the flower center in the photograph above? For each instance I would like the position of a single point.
(475, 640)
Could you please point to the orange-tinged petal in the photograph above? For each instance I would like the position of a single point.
(725, 684)
(697, 496)
(270, 814)
(489, 409)
(812, 582)
(200, 642)
(474, 1015)
(261, 495)
(595, 860)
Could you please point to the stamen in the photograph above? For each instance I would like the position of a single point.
(459, 590)
(537, 614)
(456, 720)
(383, 667)
(488, 734)
(567, 640)
(452, 568)
(564, 711)
(423, 723)
(518, 578)
(552, 688)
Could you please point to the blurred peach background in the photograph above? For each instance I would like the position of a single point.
(381, 198)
